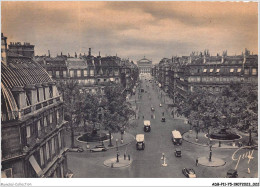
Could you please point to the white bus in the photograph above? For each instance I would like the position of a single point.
(176, 137)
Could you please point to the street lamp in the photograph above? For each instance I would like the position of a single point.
(116, 144)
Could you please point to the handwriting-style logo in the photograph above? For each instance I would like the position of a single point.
(238, 155)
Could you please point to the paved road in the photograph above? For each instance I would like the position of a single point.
(147, 163)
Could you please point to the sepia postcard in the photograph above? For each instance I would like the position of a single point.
(129, 93)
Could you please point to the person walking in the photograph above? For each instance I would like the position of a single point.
(197, 161)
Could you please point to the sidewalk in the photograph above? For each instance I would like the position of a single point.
(112, 162)
(204, 141)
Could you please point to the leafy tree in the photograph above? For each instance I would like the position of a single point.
(117, 110)
(73, 104)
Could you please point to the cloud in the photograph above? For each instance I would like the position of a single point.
(133, 29)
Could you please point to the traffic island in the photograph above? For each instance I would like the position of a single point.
(112, 162)
(116, 141)
(215, 162)
(201, 139)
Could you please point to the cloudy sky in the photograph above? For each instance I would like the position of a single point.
(132, 29)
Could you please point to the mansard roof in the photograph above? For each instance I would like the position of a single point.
(76, 63)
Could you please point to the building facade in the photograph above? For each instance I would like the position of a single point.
(32, 123)
(144, 66)
(92, 73)
(180, 75)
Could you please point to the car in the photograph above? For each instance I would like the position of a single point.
(152, 108)
(190, 173)
(177, 152)
(98, 148)
(232, 173)
(163, 119)
(76, 149)
(160, 105)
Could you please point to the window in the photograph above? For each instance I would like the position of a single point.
(64, 73)
(50, 91)
(51, 118)
(41, 157)
(231, 70)
(217, 71)
(239, 70)
(50, 73)
(45, 122)
(254, 71)
(38, 95)
(47, 151)
(58, 116)
(44, 96)
(91, 72)
(52, 146)
(85, 73)
(39, 125)
(205, 70)
(28, 131)
(246, 71)
(211, 70)
(59, 139)
(57, 73)
(71, 73)
(78, 73)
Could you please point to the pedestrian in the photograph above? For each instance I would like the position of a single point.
(197, 161)
(128, 157)
(143, 117)
(124, 156)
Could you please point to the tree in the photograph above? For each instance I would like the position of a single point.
(73, 104)
(91, 110)
(117, 110)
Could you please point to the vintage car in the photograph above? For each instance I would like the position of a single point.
(190, 173)
(76, 149)
(98, 148)
(232, 173)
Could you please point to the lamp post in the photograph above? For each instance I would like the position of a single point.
(116, 144)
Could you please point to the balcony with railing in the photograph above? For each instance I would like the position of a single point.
(38, 106)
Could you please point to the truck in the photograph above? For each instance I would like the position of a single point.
(176, 137)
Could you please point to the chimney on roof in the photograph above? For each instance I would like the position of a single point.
(49, 53)
(89, 52)
(204, 59)
(68, 55)
(99, 53)
(60, 53)
(76, 55)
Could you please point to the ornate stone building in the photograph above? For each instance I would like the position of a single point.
(144, 66)
(32, 123)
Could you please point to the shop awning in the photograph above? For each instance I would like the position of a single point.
(3, 175)
(239, 70)
(112, 79)
(211, 70)
(231, 70)
(35, 165)
(217, 71)
(205, 70)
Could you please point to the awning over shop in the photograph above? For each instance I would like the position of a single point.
(3, 175)
(217, 71)
(35, 165)
(205, 70)
(112, 79)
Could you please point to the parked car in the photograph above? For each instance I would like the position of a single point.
(76, 149)
(160, 105)
(190, 173)
(163, 119)
(152, 108)
(232, 173)
(98, 148)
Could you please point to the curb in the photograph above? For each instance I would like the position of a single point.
(204, 145)
(124, 166)
(121, 145)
